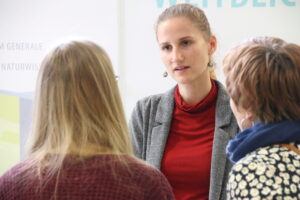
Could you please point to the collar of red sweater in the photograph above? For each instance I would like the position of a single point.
(200, 106)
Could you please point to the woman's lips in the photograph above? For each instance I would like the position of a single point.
(181, 68)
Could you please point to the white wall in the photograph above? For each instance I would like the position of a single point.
(30, 27)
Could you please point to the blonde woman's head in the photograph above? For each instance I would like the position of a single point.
(78, 109)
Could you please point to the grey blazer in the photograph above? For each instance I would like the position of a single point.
(150, 124)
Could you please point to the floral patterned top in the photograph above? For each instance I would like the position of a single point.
(271, 172)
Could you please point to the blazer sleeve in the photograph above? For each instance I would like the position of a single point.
(136, 130)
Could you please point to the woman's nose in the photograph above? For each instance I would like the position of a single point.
(177, 55)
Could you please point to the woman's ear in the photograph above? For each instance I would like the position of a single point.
(212, 44)
(246, 122)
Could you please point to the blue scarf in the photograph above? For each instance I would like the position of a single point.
(261, 135)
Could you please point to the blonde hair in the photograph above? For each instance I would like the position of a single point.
(193, 13)
(262, 77)
(196, 16)
(78, 109)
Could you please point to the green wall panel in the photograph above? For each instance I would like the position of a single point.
(9, 131)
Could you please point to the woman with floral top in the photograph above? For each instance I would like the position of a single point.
(262, 78)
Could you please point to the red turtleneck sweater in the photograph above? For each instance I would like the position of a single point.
(187, 158)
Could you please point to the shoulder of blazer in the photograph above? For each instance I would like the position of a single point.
(160, 105)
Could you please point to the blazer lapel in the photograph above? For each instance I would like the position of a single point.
(219, 162)
(160, 131)
(159, 138)
(224, 131)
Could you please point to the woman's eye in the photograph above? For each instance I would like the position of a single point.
(186, 42)
(166, 48)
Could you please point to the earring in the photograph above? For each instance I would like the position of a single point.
(165, 74)
(246, 123)
(210, 63)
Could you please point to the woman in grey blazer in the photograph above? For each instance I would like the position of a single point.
(184, 131)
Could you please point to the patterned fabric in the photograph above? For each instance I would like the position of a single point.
(271, 172)
(99, 177)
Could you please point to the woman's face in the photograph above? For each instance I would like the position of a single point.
(183, 49)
